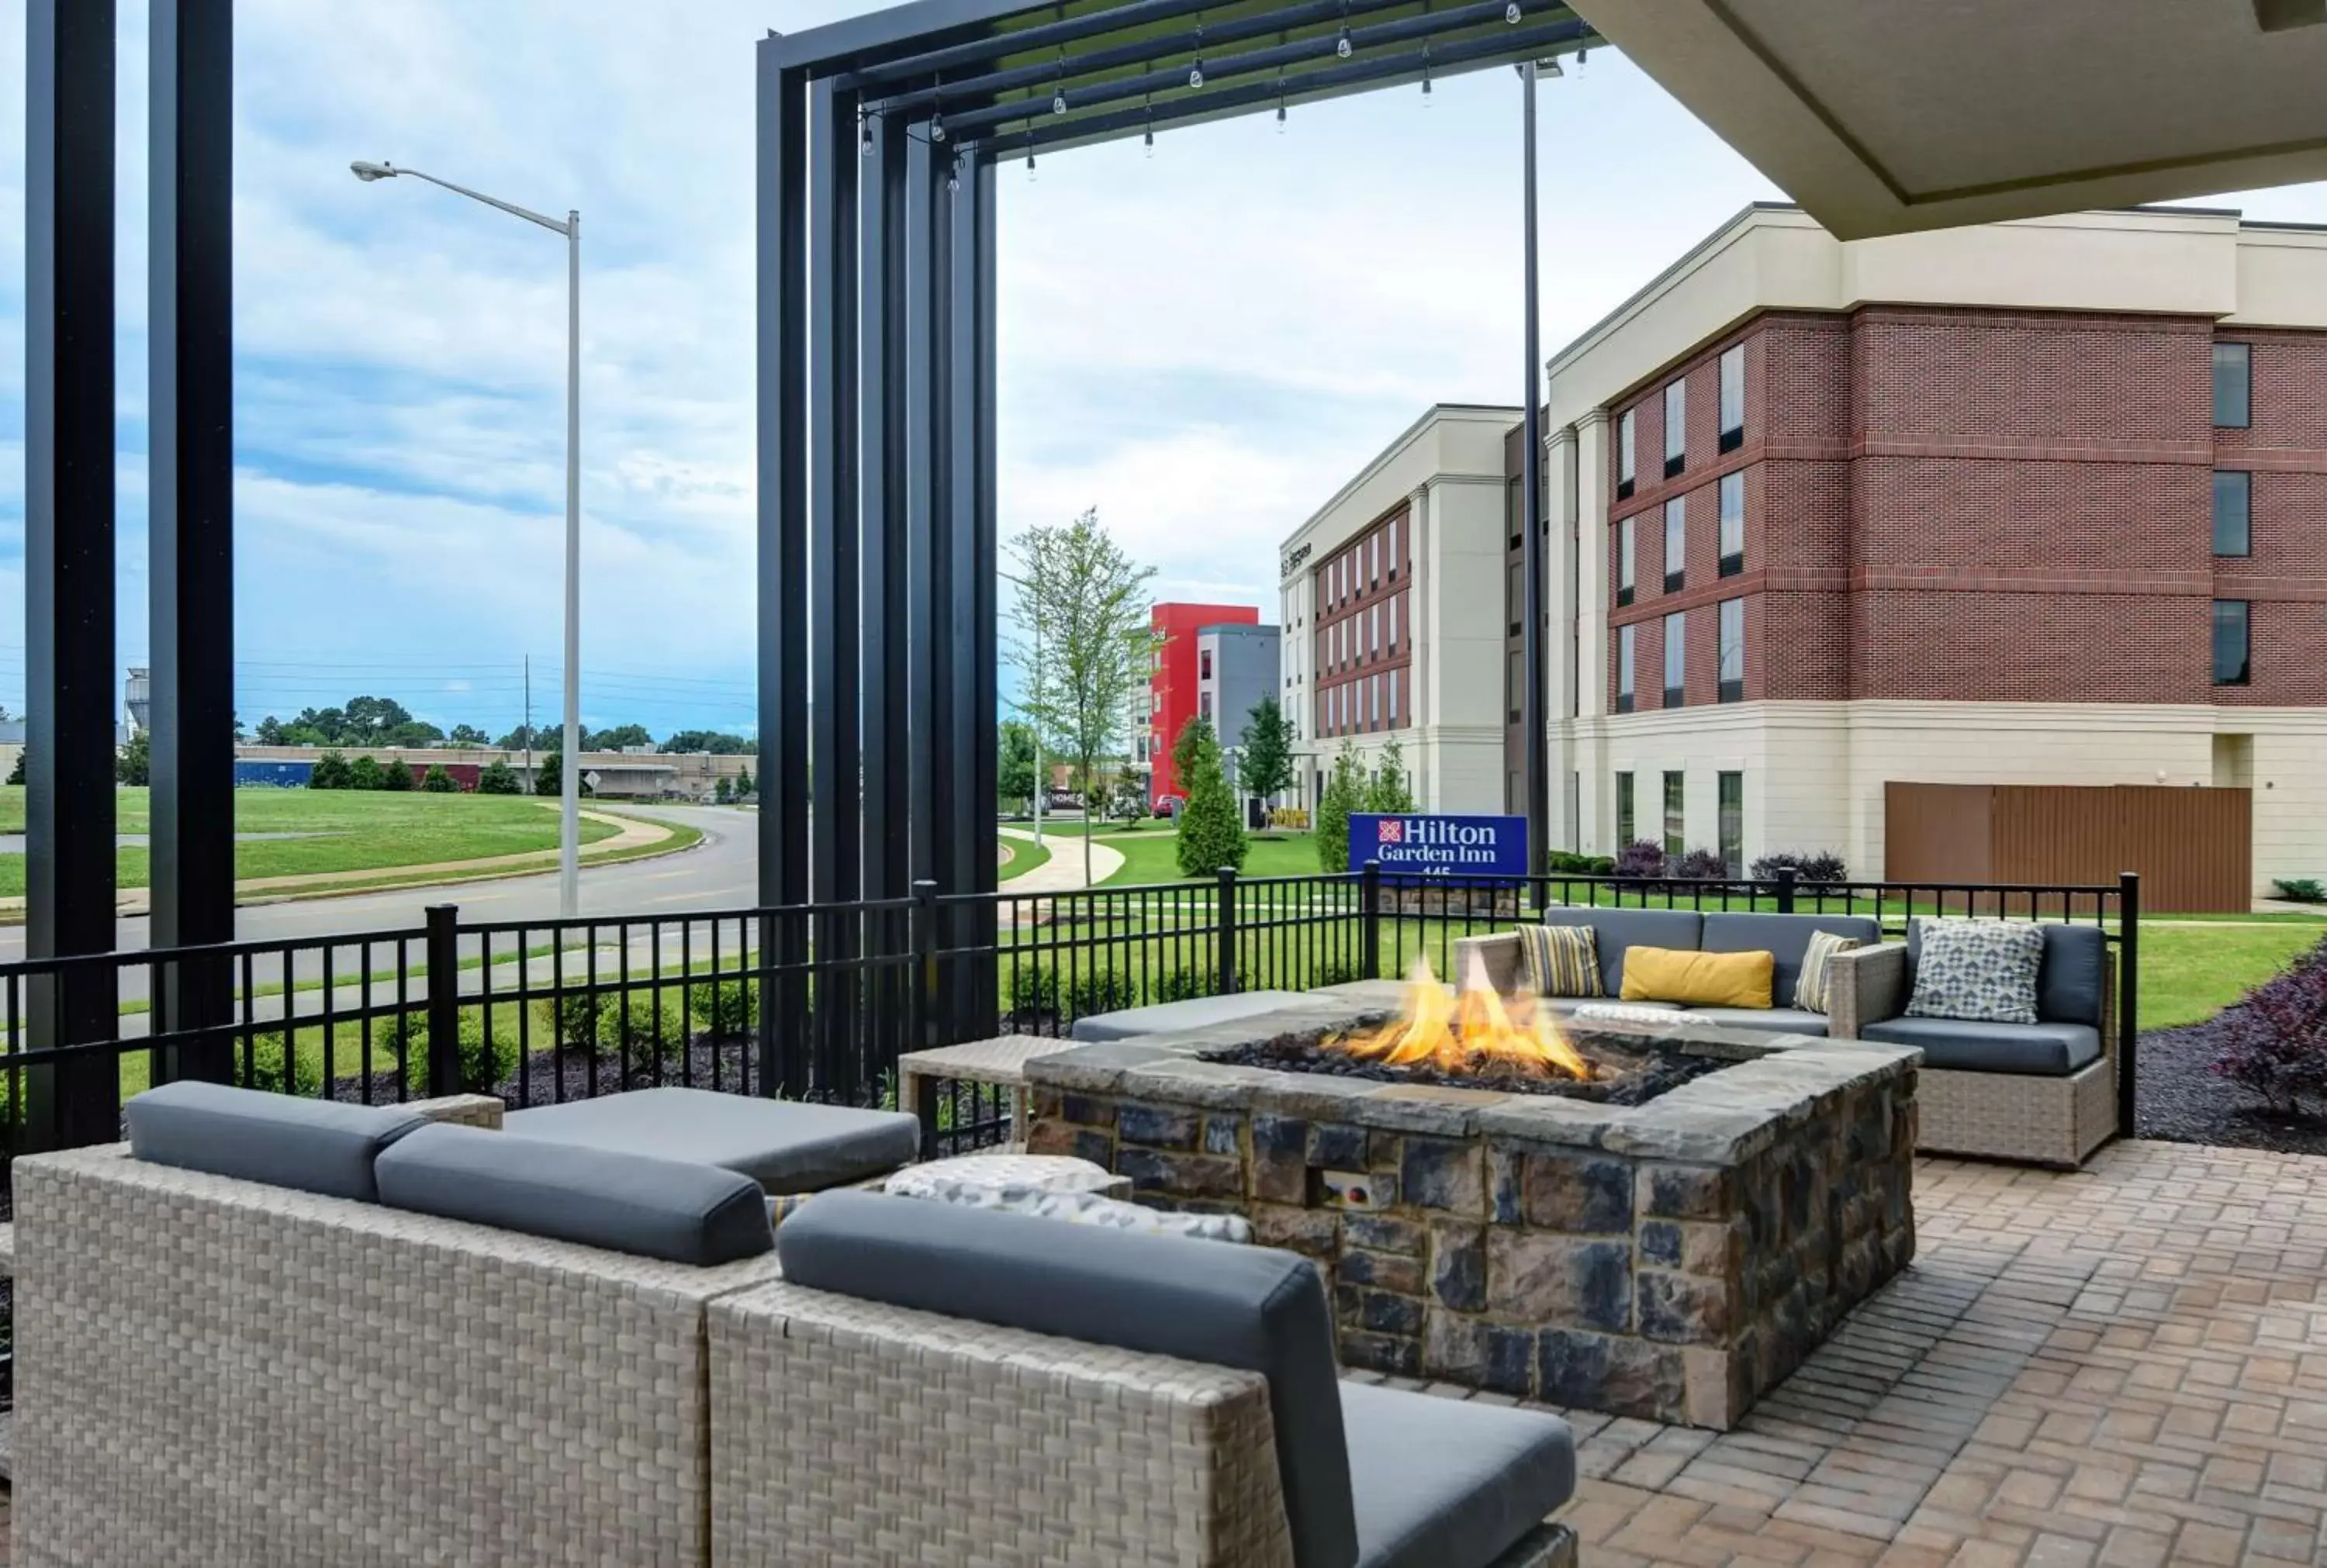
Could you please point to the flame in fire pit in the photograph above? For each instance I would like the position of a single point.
(1471, 1033)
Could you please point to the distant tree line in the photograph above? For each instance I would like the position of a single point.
(383, 722)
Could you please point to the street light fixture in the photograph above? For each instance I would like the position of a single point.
(569, 840)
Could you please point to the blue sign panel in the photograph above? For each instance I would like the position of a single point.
(1435, 846)
(249, 773)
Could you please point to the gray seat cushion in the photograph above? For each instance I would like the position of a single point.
(1785, 937)
(2071, 980)
(1170, 1017)
(666, 1209)
(312, 1145)
(783, 1145)
(1771, 1019)
(1617, 929)
(1251, 1307)
(1443, 1483)
(1962, 1045)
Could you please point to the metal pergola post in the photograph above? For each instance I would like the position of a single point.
(1533, 773)
(68, 561)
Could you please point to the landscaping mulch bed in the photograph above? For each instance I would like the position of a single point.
(735, 1062)
(2183, 1101)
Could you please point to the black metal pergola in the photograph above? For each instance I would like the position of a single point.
(879, 140)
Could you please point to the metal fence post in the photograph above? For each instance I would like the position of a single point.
(1226, 925)
(923, 1023)
(1370, 921)
(1787, 876)
(444, 960)
(2128, 1003)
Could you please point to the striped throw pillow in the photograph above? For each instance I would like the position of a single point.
(1810, 990)
(1560, 960)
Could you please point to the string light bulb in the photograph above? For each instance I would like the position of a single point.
(1511, 13)
(1196, 76)
(863, 137)
(1058, 102)
(953, 176)
(936, 126)
(1342, 46)
(1030, 165)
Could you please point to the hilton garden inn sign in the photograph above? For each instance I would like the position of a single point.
(1440, 845)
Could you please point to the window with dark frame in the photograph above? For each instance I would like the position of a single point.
(1676, 660)
(2233, 512)
(2233, 386)
(1733, 399)
(1676, 428)
(1732, 523)
(1675, 813)
(1514, 512)
(1626, 648)
(1627, 558)
(2233, 643)
(1511, 686)
(1731, 789)
(1624, 455)
(1676, 543)
(1732, 650)
(1514, 599)
(1625, 823)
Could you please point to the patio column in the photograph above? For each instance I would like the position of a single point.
(68, 559)
(1559, 594)
(191, 529)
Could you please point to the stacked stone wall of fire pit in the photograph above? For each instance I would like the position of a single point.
(1669, 1261)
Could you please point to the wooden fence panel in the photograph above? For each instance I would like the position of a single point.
(2195, 848)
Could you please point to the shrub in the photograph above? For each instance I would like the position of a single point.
(2275, 1042)
(330, 773)
(1034, 995)
(1387, 792)
(2302, 890)
(630, 1024)
(1700, 865)
(498, 777)
(396, 775)
(1344, 792)
(265, 1068)
(572, 1020)
(1818, 866)
(482, 1068)
(439, 782)
(365, 773)
(725, 1010)
(1643, 857)
(1565, 863)
(1178, 986)
(1211, 830)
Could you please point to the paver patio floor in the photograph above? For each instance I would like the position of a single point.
(2123, 1366)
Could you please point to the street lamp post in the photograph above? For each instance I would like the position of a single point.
(1041, 787)
(569, 779)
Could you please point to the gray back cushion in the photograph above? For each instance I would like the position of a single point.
(1785, 937)
(1617, 929)
(2070, 983)
(1251, 1307)
(635, 1203)
(312, 1145)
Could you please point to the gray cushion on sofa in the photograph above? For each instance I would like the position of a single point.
(1785, 937)
(1963, 1045)
(2071, 980)
(284, 1141)
(1169, 1017)
(1618, 930)
(1251, 1307)
(666, 1209)
(1443, 1482)
(1769, 1019)
(783, 1145)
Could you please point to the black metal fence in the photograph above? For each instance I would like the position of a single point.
(811, 1003)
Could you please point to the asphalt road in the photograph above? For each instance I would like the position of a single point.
(718, 874)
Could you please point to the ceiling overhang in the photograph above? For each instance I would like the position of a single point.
(1881, 116)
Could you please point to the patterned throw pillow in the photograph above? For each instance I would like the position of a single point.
(1560, 960)
(1810, 990)
(1984, 971)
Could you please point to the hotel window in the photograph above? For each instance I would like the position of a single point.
(1732, 650)
(1373, 635)
(1626, 551)
(1733, 399)
(1676, 543)
(1625, 641)
(1204, 707)
(1676, 660)
(1204, 665)
(1733, 822)
(1513, 518)
(1624, 824)
(1512, 687)
(2233, 386)
(1373, 701)
(1514, 598)
(1732, 523)
(2233, 512)
(1376, 569)
(1625, 456)
(1675, 813)
(1394, 684)
(2233, 643)
(1393, 621)
(1676, 428)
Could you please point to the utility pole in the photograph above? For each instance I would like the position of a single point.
(528, 721)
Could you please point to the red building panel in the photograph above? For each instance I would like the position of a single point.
(1171, 687)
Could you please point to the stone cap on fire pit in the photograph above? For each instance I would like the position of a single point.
(1776, 1082)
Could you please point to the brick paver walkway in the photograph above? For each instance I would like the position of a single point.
(2124, 1367)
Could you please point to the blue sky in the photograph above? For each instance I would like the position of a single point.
(1203, 344)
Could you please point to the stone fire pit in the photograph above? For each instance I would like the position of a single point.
(1669, 1260)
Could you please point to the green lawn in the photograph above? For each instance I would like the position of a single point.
(2190, 973)
(1151, 853)
(1023, 857)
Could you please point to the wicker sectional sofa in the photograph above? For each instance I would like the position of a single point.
(240, 1369)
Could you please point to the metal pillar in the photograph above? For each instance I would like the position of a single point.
(976, 464)
(1531, 703)
(68, 559)
(192, 518)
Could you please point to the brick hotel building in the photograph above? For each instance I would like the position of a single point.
(2040, 502)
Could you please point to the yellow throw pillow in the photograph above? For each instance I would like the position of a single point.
(1698, 979)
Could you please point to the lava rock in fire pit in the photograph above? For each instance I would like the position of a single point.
(1620, 1078)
